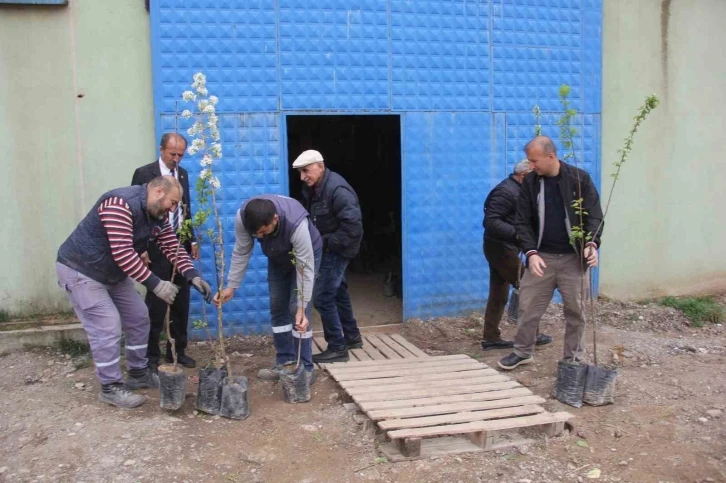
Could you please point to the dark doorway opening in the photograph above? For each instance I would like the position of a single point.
(366, 151)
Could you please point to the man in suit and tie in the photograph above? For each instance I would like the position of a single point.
(171, 153)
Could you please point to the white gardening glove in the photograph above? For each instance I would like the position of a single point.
(166, 291)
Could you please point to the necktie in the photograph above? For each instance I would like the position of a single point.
(175, 217)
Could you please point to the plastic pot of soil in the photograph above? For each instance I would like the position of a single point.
(171, 387)
(599, 386)
(295, 384)
(209, 395)
(235, 403)
(570, 383)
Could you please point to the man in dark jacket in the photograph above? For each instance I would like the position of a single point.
(171, 152)
(97, 266)
(335, 212)
(545, 221)
(502, 254)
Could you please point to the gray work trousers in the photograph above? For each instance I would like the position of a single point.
(563, 272)
(105, 311)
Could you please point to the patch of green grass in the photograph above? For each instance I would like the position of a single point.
(699, 310)
(74, 348)
(4, 315)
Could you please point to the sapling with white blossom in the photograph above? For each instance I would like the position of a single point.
(205, 141)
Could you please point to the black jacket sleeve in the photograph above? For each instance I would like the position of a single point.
(188, 202)
(497, 208)
(137, 178)
(591, 204)
(525, 222)
(350, 224)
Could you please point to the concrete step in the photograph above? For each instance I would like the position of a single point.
(46, 335)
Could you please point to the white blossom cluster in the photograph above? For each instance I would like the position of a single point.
(206, 127)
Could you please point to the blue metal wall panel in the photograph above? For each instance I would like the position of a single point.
(536, 47)
(232, 42)
(251, 165)
(447, 173)
(440, 55)
(543, 23)
(475, 67)
(334, 55)
(592, 55)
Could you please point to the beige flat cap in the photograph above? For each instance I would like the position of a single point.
(307, 157)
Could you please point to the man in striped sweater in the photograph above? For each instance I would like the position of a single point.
(97, 265)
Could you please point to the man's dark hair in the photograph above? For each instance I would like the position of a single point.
(258, 213)
(544, 142)
(166, 137)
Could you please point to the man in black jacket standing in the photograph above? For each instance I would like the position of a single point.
(544, 222)
(502, 254)
(335, 212)
(171, 152)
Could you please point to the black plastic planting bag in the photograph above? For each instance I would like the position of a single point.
(235, 398)
(295, 384)
(209, 395)
(570, 383)
(171, 387)
(599, 386)
(513, 307)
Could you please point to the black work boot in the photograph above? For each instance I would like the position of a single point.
(182, 359)
(142, 379)
(355, 343)
(543, 339)
(489, 345)
(330, 355)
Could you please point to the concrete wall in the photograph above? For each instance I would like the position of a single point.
(665, 230)
(76, 117)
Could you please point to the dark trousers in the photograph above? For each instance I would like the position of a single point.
(503, 265)
(282, 283)
(178, 317)
(331, 299)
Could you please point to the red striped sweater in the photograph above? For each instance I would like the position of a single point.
(115, 215)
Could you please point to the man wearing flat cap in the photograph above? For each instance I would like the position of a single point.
(335, 212)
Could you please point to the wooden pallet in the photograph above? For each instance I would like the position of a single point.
(378, 347)
(439, 405)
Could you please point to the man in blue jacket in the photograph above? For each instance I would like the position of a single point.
(335, 212)
(502, 254)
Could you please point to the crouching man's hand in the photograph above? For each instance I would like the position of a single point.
(301, 322)
(223, 297)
